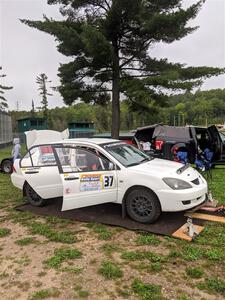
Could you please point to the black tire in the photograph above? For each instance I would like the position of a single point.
(33, 198)
(143, 206)
(6, 166)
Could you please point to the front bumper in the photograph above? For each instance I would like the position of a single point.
(179, 200)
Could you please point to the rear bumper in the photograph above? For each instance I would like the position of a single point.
(17, 180)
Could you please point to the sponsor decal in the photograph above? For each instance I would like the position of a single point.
(96, 182)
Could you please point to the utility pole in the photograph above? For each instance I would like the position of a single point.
(17, 105)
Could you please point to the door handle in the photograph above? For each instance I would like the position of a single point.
(31, 172)
(71, 178)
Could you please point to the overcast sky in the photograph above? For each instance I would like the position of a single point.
(26, 52)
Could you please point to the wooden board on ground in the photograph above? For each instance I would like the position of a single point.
(181, 232)
(206, 217)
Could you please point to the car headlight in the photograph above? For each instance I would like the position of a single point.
(177, 184)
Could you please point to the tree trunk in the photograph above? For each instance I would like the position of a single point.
(115, 98)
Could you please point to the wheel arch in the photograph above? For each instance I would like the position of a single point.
(132, 188)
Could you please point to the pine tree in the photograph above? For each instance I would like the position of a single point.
(110, 44)
(42, 81)
(32, 109)
(3, 88)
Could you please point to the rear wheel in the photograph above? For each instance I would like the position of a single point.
(33, 198)
(6, 166)
(143, 206)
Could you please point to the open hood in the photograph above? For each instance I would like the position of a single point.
(38, 137)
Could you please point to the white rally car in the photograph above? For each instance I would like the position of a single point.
(87, 172)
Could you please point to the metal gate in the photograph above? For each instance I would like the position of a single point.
(5, 129)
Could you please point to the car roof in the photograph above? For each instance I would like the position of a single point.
(93, 141)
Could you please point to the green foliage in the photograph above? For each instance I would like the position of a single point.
(42, 81)
(109, 49)
(193, 109)
(4, 232)
(61, 255)
(146, 291)
(195, 272)
(3, 88)
(110, 271)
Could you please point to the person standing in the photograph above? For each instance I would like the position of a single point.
(16, 149)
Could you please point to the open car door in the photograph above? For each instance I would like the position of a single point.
(87, 178)
(216, 142)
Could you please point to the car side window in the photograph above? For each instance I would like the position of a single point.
(82, 160)
(42, 156)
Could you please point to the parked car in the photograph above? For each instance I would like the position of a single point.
(6, 165)
(166, 140)
(87, 172)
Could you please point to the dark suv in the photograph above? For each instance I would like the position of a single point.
(165, 141)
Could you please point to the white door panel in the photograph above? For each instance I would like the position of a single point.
(87, 177)
(45, 181)
(86, 189)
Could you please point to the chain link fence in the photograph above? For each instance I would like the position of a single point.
(5, 129)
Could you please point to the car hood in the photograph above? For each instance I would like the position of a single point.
(166, 168)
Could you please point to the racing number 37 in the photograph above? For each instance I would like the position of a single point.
(108, 181)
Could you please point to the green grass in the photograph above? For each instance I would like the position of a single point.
(26, 241)
(146, 291)
(109, 249)
(149, 239)
(195, 272)
(140, 255)
(204, 257)
(4, 232)
(110, 270)
(46, 293)
(217, 183)
(213, 285)
(66, 237)
(61, 255)
(73, 270)
(102, 231)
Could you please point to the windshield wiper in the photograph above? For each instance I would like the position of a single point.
(141, 161)
(146, 159)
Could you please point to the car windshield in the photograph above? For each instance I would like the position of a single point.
(126, 154)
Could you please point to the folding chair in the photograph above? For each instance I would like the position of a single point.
(203, 163)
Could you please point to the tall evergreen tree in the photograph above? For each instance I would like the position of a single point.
(3, 88)
(110, 44)
(32, 108)
(42, 81)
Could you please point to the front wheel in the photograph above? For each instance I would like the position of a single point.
(33, 198)
(143, 206)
